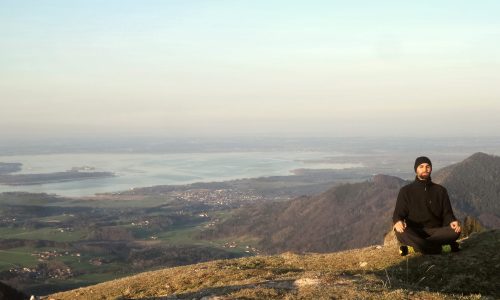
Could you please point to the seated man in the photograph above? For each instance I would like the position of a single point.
(423, 217)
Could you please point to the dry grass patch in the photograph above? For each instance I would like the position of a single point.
(368, 273)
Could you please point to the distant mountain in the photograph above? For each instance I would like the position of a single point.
(344, 217)
(356, 215)
(474, 187)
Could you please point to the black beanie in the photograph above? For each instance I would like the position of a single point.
(421, 160)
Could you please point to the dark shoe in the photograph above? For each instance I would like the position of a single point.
(454, 247)
(403, 250)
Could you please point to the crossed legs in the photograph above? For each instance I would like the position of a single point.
(427, 240)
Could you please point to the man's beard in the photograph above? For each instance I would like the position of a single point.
(424, 176)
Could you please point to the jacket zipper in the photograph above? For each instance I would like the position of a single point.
(425, 189)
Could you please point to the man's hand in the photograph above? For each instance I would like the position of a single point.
(455, 226)
(399, 226)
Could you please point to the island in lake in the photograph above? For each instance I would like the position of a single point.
(76, 173)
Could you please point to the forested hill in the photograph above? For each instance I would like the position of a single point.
(474, 187)
(345, 217)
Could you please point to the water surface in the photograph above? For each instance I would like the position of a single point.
(140, 170)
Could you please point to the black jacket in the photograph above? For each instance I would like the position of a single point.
(423, 204)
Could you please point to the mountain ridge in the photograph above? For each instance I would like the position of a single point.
(474, 187)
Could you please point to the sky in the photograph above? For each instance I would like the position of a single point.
(175, 68)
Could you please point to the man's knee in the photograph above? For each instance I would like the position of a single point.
(407, 236)
(445, 234)
(450, 233)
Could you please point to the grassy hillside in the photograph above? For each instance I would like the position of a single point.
(372, 272)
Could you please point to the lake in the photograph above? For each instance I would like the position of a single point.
(140, 170)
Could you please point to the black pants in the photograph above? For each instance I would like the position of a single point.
(427, 240)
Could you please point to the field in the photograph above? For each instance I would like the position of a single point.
(16, 257)
(48, 233)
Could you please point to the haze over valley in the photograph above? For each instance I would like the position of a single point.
(84, 167)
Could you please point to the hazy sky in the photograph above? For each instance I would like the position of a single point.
(239, 68)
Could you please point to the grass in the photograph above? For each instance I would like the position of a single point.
(16, 257)
(368, 273)
(186, 236)
(93, 278)
(55, 219)
(475, 269)
(50, 234)
(183, 235)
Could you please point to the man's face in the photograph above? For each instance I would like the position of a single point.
(424, 171)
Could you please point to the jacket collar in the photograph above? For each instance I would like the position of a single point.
(423, 183)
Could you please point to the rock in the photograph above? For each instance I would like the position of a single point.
(390, 239)
(8, 292)
(306, 282)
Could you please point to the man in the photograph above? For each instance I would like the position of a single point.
(423, 217)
